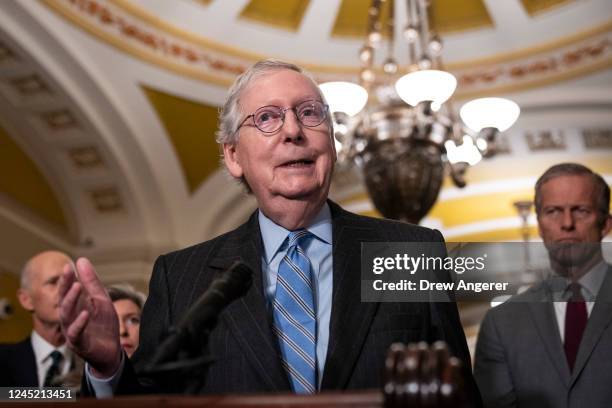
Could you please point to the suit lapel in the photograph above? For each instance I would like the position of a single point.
(543, 315)
(600, 319)
(350, 318)
(248, 318)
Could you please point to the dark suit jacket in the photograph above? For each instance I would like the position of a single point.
(520, 360)
(18, 365)
(243, 344)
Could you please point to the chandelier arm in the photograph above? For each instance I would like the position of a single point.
(368, 75)
(374, 19)
(390, 29)
(412, 23)
(423, 29)
(436, 61)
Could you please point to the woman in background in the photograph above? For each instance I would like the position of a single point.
(128, 305)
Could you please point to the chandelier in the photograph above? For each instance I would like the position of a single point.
(399, 126)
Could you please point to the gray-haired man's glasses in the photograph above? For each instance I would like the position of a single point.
(269, 119)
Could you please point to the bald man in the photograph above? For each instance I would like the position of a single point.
(43, 356)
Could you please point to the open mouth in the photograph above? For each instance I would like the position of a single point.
(298, 163)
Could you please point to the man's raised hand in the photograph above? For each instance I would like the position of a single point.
(88, 318)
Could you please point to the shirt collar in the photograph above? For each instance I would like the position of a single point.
(42, 348)
(273, 235)
(590, 282)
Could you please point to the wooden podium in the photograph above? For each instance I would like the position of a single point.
(358, 399)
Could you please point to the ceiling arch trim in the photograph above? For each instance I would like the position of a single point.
(137, 32)
(147, 37)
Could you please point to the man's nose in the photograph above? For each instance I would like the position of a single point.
(567, 221)
(292, 129)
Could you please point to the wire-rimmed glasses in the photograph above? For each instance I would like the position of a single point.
(269, 119)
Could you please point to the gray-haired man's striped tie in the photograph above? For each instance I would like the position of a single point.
(294, 315)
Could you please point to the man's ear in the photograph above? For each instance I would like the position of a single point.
(230, 157)
(25, 299)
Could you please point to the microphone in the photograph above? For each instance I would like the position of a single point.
(186, 344)
(232, 284)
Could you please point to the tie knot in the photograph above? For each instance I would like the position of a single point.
(56, 357)
(298, 237)
(575, 291)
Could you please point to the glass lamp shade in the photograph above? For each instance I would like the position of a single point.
(344, 97)
(498, 113)
(466, 152)
(426, 85)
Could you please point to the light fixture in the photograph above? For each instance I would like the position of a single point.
(345, 97)
(498, 113)
(408, 136)
(427, 85)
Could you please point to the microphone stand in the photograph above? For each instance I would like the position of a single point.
(183, 357)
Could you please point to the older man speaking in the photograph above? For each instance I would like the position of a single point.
(301, 327)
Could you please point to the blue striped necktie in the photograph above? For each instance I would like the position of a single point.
(294, 314)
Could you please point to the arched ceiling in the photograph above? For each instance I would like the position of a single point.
(30, 189)
(108, 110)
(522, 44)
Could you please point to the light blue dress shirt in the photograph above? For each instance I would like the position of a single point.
(319, 251)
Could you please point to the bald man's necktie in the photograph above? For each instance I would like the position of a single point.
(575, 322)
(54, 369)
(294, 314)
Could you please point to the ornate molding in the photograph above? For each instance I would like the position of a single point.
(150, 40)
(143, 35)
(570, 60)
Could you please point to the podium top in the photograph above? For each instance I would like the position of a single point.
(357, 399)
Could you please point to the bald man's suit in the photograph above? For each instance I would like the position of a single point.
(18, 365)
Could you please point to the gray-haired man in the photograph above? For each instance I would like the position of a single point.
(546, 350)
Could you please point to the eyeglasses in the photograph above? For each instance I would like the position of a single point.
(269, 119)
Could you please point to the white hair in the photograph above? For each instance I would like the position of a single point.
(230, 114)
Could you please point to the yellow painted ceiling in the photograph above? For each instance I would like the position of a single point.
(447, 16)
(352, 18)
(24, 183)
(452, 15)
(191, 128)
(352, 15)
(536, 6)
(285, 14)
